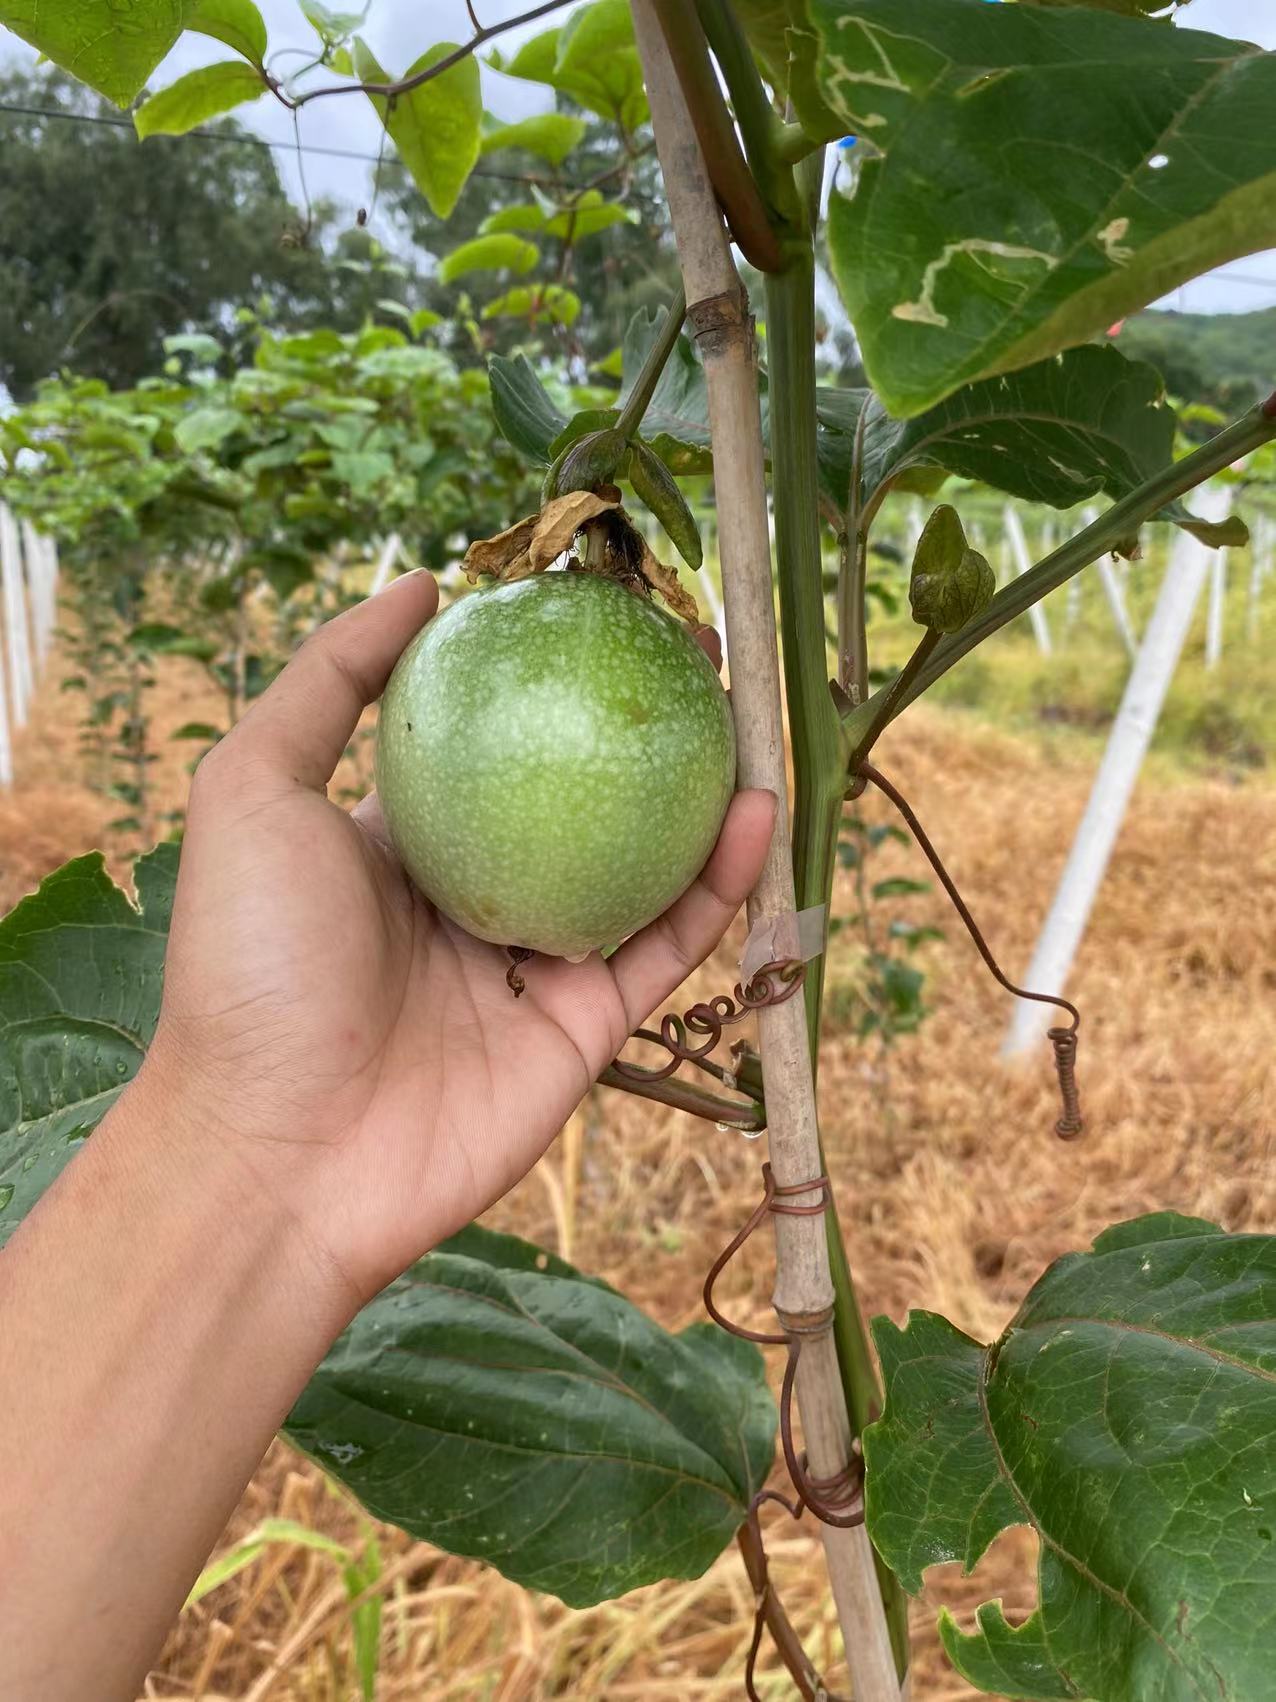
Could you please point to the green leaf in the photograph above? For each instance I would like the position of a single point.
(538, 1421)
(204, 731)
(236, 22)
(950, 583)
(524, 413)
(80, 977)
(587, 216)
(89, 39)
(526, 216)
(1126, 1415)
(205, 428)
(1064, 430)
(592, 59)
(536, 302)
(501, 253)
(360, 1574)
(1031, 176)
(549, 135)
(196, 97)
(899, 886)
(435, 127)
(329, 24)
(268, 1534)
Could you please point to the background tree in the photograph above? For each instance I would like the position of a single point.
(110, 249)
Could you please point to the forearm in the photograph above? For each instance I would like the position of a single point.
(159, 1313)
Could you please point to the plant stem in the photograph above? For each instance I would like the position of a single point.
(720, 323)
(760, 128)
(1120, 521)
(732, 180)
(852, 582)
(685, 1096)
(863, 727)
(645, 384)
(819, 749)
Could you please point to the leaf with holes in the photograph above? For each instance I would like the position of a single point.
(89, 39)
(1031, 174)
(1126, 1416)
(1084, 423)
(436, 127)
(496, 1402)
(80, 976)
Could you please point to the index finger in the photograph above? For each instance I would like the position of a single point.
(300, 726)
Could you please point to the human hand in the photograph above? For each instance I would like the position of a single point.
(358, 1054)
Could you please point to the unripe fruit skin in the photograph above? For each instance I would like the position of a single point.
(554, 760)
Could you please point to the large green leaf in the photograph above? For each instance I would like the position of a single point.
(549, 135)
(197, 97)
(1032, 174)
(436, 127)
(111, 48)
(1127, 1416)
(591, 59)
(80, 977)
(1086, 422)
(236, 22)
(499, 1404)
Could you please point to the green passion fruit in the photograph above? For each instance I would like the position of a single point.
(554, 760)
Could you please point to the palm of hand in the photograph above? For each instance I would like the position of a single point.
(362, 1053)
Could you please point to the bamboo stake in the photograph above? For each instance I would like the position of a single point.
(721, 325)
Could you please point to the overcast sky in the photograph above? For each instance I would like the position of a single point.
(398, 30)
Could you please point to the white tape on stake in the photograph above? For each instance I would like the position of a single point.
(17, 653)
(1023, 561)
(778, 939)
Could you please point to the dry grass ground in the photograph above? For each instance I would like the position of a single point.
(954, 1196)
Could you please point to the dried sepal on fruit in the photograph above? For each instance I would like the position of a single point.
(607, 543)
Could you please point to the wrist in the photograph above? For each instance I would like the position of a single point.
(220, 1193)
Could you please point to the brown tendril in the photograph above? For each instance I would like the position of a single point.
(513, 980)
(772, 985)
(1063, 1040)
(836, 1500)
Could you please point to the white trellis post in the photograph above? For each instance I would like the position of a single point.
(1127, 745)
(1217, 605)
(1113, 590)
(1022, 560)
(385, 561)
(6, 743)
(40, 571)
(17, 646)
